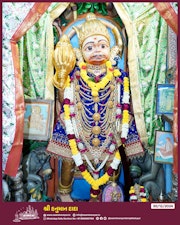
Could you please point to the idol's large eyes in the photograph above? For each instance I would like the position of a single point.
(89, 48)
(103, 46)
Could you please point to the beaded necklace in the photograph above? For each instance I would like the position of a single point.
(73, 142)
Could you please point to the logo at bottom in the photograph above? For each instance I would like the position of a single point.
(29, 214)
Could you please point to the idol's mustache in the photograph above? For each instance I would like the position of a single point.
(97, 56)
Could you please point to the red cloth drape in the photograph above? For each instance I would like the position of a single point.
(167, 12)
(15, 154)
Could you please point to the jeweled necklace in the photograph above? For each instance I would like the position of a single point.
(94, 116)
(95, 70)
(76, 154)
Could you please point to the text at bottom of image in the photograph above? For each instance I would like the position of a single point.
(86, 217)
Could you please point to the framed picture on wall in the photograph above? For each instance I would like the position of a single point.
(38, 119)
(165, 99)
(164, 143)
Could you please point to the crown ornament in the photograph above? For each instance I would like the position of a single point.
(92, 26)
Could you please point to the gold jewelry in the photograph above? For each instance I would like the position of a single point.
(65, 189)
(96, 69)
(85, 117)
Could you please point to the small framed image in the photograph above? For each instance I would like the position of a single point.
(165, 99)
(38, 119)
(164, 143)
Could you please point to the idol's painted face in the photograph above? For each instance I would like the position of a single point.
(96, 50)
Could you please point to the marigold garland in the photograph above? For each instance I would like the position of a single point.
(125, 117)
(95, 87)
(86, 175)
(133, 197)
(126, 84)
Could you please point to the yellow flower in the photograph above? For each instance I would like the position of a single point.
(91, 84)
(131, 191)
(94, 93)
(108, 64)
(126, 84)
(81, 64)
(74, 151)
(143, 200)
(95, 187)
(73, 146)
(99, 86)
(86, 175)
(66, 112)
(83, 74)
(105, 81)
(95, 87)
(109, 75)
(125, 117)
(93, 196)
(117, 73)
(102, 180)
(117, 155)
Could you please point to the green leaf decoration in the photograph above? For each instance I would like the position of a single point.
(80, 7)
(91, 10)
(91, 7)
(88, 5)
(104, 10)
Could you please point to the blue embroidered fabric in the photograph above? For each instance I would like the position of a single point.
(59, 133)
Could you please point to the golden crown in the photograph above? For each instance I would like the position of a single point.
(92, 26)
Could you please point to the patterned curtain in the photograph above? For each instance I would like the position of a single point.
(13, 14)
(149, 47)
(14, 108)
(33, 47)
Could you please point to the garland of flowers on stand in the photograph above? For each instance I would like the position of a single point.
(133, 196)
(68, 102)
